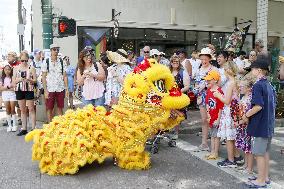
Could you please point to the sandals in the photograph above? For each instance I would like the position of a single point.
(254, 178)
(251, 184)
(212, 157)
(207, 155)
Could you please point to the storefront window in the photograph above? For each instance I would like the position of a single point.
(169, 35)
(203, 40)
(191, 40)
(131, 33)
(218, 40)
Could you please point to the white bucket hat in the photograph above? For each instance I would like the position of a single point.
(206, 51)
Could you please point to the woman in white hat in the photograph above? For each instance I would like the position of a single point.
(116, 75)
(200, 90)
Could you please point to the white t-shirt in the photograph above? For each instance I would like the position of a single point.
(183, 65)
(195, 66)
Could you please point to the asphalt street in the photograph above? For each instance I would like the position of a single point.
(172, 167)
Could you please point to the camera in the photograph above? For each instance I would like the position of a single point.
(23, 74)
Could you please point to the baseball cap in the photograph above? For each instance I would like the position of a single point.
(54, 46)
(212, 75)
(36, 51)
(181, 51)
(261, 63)
(154, 52)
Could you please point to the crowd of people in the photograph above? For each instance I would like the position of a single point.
(232, 93)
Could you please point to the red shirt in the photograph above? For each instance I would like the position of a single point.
(214, 105)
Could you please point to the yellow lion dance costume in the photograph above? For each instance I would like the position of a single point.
(93, 134)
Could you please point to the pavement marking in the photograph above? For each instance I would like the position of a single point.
(186, 146)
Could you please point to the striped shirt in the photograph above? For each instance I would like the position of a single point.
(24, 85)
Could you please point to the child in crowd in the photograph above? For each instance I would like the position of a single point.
(214, 108)
(261, 122)
(243, 140)
(227, 126)
(9, 97)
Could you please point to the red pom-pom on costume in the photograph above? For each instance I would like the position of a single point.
(175, 91)
(142, 67)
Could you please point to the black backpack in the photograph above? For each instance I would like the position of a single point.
(61, 62)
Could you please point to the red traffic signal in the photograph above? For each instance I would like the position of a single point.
(66, 27)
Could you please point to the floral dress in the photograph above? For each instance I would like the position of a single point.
(116, 72)
(200, 86)
(243, 140)
(229, 118)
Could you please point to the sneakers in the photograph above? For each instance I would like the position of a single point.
(239, 160)
(22, 132)
(226, 163)
(5, 124)
(14, 128)
(9, 129)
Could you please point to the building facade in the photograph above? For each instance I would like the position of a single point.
(163, 24)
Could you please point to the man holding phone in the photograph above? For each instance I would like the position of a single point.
(54, 80)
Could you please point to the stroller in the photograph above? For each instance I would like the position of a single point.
(154, 148)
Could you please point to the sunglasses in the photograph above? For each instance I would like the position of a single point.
(24, 60)
(146, 51)
(56, 49)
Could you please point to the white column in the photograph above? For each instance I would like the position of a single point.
(262, 15)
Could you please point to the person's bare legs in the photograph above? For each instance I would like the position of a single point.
(216, 146)
(71, 100)
(32, 113)
(249, 161)
(60, 111)
(230, 149)
(23, 110)
(49, 115)
(205, 126)
(267, 167)
(261, 168)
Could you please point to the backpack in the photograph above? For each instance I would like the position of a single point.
(61, 62)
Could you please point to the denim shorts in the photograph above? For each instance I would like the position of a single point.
(95, 102)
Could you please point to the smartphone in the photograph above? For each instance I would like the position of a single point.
(24, 74)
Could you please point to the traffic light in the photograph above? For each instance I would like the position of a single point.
(66, 27)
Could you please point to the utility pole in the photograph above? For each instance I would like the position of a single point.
(47, 33)
(20, 19)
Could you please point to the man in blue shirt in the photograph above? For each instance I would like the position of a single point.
(261, 121)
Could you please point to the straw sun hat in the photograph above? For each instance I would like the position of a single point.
(120, 56)
(281, 59)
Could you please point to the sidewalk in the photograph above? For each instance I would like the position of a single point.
(193, 123)
(191, 141)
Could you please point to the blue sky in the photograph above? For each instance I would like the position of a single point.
(9, 20)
